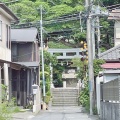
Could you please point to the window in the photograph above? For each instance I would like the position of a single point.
(0, 30)
(8, 42)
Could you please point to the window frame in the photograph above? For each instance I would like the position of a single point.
(8, 41)
(0, 30)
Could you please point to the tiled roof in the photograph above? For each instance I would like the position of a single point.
(23, 35)
(114, 15)
(111, 54)
(111, 65)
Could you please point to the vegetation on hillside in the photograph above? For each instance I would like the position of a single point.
(57, 45)
(29, 11)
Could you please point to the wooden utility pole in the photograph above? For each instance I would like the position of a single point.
(90, 55)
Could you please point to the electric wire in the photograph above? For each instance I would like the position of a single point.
(14, 1)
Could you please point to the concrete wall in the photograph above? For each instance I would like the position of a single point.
(37, 99)
(109, 111)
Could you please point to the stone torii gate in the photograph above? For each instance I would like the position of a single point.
(65, 54)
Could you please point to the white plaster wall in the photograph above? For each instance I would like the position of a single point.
(117, 40)
(5, 53)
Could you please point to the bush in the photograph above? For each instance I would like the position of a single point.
(95, 112)
(16, 109)
(47, 99)
(7, 108)
(84, 97)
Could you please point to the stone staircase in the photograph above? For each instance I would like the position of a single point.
(65, 96)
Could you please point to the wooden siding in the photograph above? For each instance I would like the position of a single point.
(24, 52)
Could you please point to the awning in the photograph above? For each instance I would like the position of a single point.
(29, 64)
(13, 65)
(111, 65)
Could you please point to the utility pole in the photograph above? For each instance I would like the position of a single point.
(98, 34)
(43, 75)
(93, 36)
(90, 55)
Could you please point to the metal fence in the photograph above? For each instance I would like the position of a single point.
(110, 100)
(111, 91)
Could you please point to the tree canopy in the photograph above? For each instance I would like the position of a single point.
(58, 16)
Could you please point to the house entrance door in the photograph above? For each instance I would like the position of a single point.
(19, 86)
(23, 88)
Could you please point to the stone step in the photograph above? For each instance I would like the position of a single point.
(65, 104)
(75, 100)
(56, 99)
(64, 90)
(65, 101)
(64, 95)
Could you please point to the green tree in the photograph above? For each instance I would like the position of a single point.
(27, 11)
(97, 66)
(48, 58)
(57, 75)
(57, 45)
(82, 67)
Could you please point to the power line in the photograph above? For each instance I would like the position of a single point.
(14, 1)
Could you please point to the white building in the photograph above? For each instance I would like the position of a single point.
(6, 17)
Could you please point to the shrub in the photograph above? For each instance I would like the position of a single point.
(7, 108)
(84, 97)
(95, 112)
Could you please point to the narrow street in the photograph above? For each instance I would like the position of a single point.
(64, 113)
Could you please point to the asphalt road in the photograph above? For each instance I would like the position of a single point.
(64, 113)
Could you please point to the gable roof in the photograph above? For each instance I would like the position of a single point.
(114, 14)
(111, 54)
(24, 35)
(6, 11)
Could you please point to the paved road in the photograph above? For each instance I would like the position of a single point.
(64, 113)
